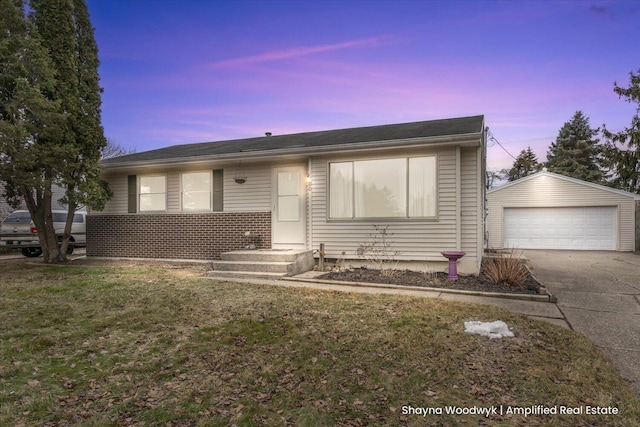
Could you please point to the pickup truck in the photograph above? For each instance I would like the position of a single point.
(18, 231)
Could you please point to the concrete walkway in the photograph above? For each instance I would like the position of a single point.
(599, 294)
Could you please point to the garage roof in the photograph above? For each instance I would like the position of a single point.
(566, 178)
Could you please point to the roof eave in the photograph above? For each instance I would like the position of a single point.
(469, 139)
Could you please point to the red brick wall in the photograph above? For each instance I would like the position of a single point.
(181, 236)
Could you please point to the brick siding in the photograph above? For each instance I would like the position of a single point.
(181, 236)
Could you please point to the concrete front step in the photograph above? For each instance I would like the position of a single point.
(245, 275)
(271, 264)
(270, 255)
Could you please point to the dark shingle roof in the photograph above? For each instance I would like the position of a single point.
(309, 140)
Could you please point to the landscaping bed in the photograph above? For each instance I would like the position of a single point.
(431, 280)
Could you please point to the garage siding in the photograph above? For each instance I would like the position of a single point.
(546, 190)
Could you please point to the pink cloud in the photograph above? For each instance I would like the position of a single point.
(298, 52)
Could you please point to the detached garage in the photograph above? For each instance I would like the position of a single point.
(551, 211)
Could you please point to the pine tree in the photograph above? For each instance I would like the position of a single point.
(28, 118)
(576, 152)
(81, 177)
(63, 147)
(622, 149)
(525, 164)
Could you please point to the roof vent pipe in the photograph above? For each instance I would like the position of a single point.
(267, 133)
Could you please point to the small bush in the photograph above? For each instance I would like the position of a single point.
(508, 270)
(380, 251)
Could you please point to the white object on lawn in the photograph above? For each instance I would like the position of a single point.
(497, 329)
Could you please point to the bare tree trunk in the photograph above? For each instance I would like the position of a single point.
(62, 255)
(43, 221)
(52, 253)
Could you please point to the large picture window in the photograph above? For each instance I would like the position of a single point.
(153, 193)
(383, 188)
(196, 191)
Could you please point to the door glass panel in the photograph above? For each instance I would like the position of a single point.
(288, 183)
(288, 207)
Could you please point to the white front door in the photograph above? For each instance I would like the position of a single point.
(288, 223)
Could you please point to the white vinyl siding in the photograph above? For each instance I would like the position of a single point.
(252, 196)
(551, 191)
(471, 198)
(118, 204)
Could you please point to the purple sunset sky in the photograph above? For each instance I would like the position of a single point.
(177, 72)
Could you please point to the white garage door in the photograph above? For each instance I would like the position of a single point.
(561, 228)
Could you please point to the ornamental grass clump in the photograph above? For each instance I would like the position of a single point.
(508, 270)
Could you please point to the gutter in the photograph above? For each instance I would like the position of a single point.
(472, 140)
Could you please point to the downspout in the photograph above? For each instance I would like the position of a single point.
(481, 201)
(482, 176)
(309, 186)
(458, 202)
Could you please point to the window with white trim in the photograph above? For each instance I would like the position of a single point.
(402, 187)
(153, 193)
(196, 191)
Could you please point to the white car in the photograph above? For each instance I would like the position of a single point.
(18, 231)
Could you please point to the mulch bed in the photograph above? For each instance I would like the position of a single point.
(431, 280)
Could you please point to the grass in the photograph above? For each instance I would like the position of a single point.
(114, 344)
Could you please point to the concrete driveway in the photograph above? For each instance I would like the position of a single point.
(599, 294)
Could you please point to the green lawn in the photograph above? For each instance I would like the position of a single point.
(129, 344)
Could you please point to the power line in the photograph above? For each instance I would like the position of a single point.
(493, 138)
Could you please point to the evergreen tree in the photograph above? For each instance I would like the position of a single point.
(28, 118)
(525, 164)
(622, 149)
(70, 140)
(81, 177)
(576, 152)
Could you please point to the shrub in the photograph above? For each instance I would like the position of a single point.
(379, 250)
(507, 269)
